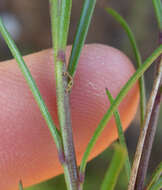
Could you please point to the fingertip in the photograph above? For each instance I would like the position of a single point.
(27, 150)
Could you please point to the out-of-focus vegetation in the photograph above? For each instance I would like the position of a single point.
(29, 24)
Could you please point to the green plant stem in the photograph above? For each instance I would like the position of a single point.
(116, 103)
(32, 85)
(121, 135)
(136, 51)
(156, 175)
(113, 171)
(82, 30)
(147, 134)
(60, 17)
(144, 146)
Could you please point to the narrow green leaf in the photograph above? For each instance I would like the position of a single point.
(121, 135)
(32, 85)
(157, 185)
(158, 10)
(82, 30)
(116, 103)
(114, 169)
(156, 175)
(136, 51)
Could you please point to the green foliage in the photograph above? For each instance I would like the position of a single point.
(158, 10)
(115, 167)
(139, 72)
(155, 177)
(60, 19)
(82, 30)
(157, 185)
(32, 85)
(137, 54)
(121, 135)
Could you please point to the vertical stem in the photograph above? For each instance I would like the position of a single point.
(143, 166)
(147, 134)
(144, 146)
(151, 130)
(66, 131)
(60, 16)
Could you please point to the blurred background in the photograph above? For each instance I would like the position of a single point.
(29, 24)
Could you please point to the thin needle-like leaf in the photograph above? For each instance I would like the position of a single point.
(157, 185)
(121, 135)
(115, 168)
(148, 130)
(156, 175)
(147, 134)
(82, 30)
(136, 51)
(116, 103)
(158, 10)
(32, 85)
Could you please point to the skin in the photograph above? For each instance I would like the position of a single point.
(27, 151)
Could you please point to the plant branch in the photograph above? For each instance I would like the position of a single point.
(60, 18)
(151, 129)
(144, 146)
(70, 158)
(152, 125)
